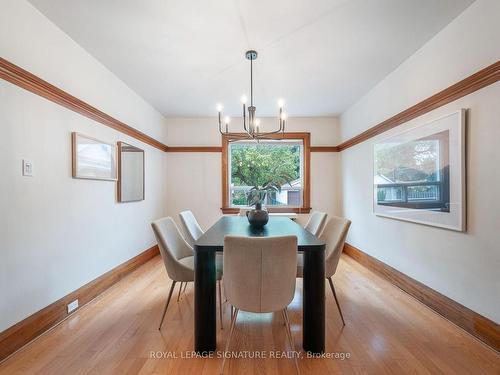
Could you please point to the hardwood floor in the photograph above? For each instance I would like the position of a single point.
(386, 332)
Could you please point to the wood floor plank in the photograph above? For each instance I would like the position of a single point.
(386, 332)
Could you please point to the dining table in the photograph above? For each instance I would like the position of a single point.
(313, 300)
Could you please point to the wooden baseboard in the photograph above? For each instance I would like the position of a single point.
(477, 325)
(22, 333)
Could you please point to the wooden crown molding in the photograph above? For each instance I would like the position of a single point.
(20, 334)
(477, 325)
(483, 78)
(219, 149)
(22, 78)
(477, 81)
(28, 81)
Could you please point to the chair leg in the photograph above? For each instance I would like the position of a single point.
(185, 285)
(166, 304)
(231, 329)
(180, 290)
(225, 296)
(220, 306)
(336, 299)
(290, 338)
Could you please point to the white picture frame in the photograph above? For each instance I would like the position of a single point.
(419, 174)
(93, 159)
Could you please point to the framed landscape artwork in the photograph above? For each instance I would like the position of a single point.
(419, 174)
(93, 159)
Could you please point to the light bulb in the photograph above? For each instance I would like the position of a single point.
(244, 99)
(281, 103)
(226, 119)
(257, 122)
(219, 107)
(283, 116)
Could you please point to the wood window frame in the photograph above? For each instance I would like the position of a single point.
(306, 198)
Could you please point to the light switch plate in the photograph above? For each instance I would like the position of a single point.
(27, 168)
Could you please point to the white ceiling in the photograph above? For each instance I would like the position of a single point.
(184, 56)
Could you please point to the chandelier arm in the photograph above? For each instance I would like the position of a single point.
(266, 138)
(280, 118)
(268, 133)
(220, 126)
(220, 131)
(237, 135)
(235, 138)
(244, 118)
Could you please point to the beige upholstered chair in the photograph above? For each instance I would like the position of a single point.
(178, 258)
(316, 223)
(334, 235)
(191, 228)
(260, 277)
(192, 232)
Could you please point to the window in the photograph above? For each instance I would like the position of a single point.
(247, 164)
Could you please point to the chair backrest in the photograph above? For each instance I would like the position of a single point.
(259, 273)
(243, 211)
(192, 229)
(172, 246)
(316, 222)
(334, 235)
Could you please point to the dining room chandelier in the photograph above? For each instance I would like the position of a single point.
(251, 124)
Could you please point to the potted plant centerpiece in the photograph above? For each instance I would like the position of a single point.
(256, 196)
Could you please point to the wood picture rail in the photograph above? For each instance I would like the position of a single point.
(483, 78)
(26, 80)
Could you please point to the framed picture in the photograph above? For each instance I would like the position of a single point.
(419, 175)
(93, 159)
(130, 187)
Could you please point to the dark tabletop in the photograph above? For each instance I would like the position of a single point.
(238, 226)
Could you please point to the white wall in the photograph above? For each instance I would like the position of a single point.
(194, 179)
(462, 266)
(58, 233)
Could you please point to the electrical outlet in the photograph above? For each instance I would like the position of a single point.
(72, 306)
(27, 168)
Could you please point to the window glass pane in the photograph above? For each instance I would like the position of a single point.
(268, 171)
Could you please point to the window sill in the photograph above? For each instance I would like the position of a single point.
(294, 210)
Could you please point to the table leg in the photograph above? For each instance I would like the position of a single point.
(205, 323)
(313, 323)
